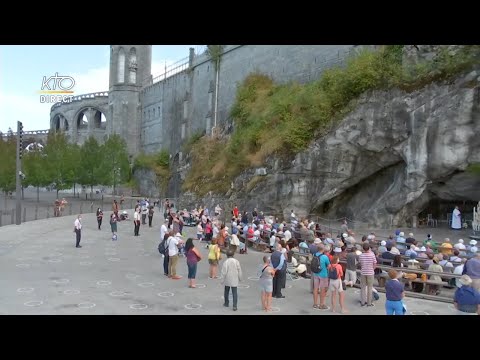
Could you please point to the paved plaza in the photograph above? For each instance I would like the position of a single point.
(43, 273)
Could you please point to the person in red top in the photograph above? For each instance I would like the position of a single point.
(335, 285)
(235, 211)
(250, 232)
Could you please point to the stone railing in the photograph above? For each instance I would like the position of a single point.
(82, 97)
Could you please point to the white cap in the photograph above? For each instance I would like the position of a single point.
(344, 235)
(370, 237)
(460, 241)
(337, 250)
(402, 234)
(383, 243)
(423, 248)
(473, 242)
(317, 241)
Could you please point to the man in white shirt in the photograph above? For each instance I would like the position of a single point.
(136, 221)
(287, 235)
(173, 243)
(458, 271)
(78, 230)
(163, 230)
(145, 207)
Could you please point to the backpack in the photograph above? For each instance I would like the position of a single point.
(333, 273)
(315, 264)
(163, 247)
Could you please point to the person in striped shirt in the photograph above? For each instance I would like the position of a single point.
(368, 262)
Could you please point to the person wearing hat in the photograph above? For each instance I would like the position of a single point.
(382, 248)
(467, 299)
(472, 269)
(422, 253)
(473, 247)
(460, 246)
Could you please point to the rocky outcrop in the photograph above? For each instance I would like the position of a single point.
(384, 162)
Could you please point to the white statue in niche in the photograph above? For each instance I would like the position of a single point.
(476, 218)
(133, 65)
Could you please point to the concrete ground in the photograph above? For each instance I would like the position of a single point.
(43, 273)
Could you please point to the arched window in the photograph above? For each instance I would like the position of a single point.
(121, 66)
(132, 66)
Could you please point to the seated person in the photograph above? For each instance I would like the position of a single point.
(467, 299)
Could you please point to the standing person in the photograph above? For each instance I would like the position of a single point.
(173, 243)
(232, 275)
(368, 262)
(213, 258)
(320, 264)
(113, 226)
(279, 263)
(163, 229)
(266, 283)
(456, 219)
(199, 231)
(193, 257)
(351, 270)
(136, 221)
(150, 216)
(99, 218)
(144, 210)
(78, 230)
(235, 211)
(115, 208)
(394, 292)
(166, 259)
(335, 274)
(218, 210)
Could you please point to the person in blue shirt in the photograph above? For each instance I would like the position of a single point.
(394, 292)
(320, 279)
(467, 299)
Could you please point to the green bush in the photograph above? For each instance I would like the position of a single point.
(282, 120)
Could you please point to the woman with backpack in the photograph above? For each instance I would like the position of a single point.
(335, 273)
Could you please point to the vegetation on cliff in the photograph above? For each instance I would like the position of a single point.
(283, 119)
(159, 163)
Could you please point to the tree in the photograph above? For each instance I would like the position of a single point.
(91, 173)
(8, 151)
(60, 167)
(35, 169)
(115, 164)
(77, 170)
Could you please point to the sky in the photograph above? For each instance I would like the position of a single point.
(22, 68)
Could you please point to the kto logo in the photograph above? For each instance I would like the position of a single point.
(64, 84)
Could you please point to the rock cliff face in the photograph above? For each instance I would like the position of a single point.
(384, 161)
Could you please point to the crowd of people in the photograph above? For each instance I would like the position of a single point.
(333, 264)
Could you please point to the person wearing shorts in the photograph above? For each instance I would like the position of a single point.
(336, 286)
(213, 257)
(320, 279)
(266, 283)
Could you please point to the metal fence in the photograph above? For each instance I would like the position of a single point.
(32, 212)
(172, 69)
